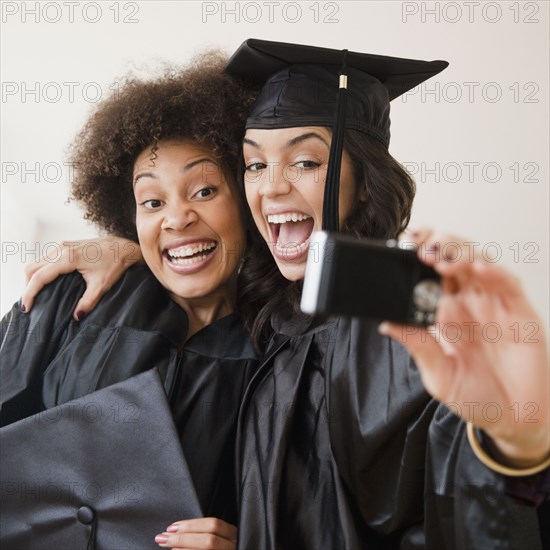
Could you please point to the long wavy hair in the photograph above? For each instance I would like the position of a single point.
(386, 212)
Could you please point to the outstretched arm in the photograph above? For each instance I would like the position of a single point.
(101, 261)
(486, 358)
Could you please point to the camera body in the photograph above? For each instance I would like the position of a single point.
(369, 278)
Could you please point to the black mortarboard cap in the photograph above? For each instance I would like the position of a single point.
(300, 88)
(104, 471)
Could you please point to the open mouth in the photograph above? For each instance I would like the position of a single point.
(290, 232)
(191, 253)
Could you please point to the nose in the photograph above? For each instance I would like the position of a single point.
(274, 181)
(179, 216)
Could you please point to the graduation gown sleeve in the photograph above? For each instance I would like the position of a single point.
(30, 341)
(105, 472)
(467, 505)
(406, 458)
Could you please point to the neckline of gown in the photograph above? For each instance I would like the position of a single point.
(288, 323)
(225, 338)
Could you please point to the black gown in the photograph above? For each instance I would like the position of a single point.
(47, 360)
(341, 448)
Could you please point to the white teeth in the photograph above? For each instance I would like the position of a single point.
(189, 261)
(290, 217)
(184, 251)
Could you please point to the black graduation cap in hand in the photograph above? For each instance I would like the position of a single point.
(103, 471)
(302, 86)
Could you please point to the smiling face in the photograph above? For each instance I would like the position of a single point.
(188, 221)
(284, 183)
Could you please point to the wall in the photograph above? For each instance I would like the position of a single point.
(476, 137)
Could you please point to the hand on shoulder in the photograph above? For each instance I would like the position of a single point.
(101, 261)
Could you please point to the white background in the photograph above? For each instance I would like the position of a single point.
(485, 119)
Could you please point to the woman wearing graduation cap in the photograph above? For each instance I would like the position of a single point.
(340, 446)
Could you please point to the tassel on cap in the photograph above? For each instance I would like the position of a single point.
(332, 185)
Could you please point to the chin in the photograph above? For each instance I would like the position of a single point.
(292, 272)
(200, 289)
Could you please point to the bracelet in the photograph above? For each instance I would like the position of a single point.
(484, 458)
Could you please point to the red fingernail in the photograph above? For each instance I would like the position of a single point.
(80, 315)
(23, 308)
(161, 539)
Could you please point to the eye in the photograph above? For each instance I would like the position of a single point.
(151, 204)
(307, 164)
(205, 192)
(255, 167)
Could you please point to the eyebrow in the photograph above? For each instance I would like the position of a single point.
(247, 141)
(186, 168)
(304, 137)
(291, 143)
(144, 175)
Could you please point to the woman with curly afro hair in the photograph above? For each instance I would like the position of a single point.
(156, 163)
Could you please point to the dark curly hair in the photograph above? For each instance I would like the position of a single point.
(387, 211)
(198, 102)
